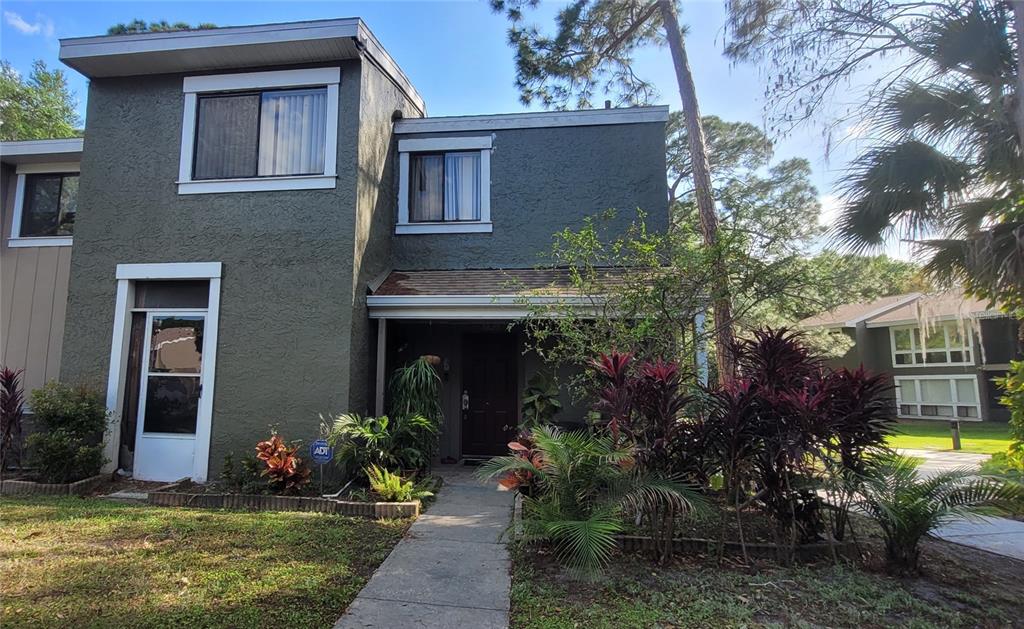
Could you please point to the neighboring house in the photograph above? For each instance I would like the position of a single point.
(943, 369)
(269, 225)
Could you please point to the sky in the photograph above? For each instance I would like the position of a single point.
(456, 54)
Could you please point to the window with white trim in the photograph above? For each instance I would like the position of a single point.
(444, 185)
(938, 397)
(260, 131)
(944, 344)
(45, 205)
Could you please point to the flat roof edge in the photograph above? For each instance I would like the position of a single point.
(535, 119)
(56, 146)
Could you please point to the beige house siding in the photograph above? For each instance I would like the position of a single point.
(33, 299)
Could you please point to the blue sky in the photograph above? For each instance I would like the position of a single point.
(455, 53)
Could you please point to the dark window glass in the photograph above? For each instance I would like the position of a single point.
(51, 201)
(445, 187)
(172, 404)
(260, 134)
(227, 136)
(172, 294)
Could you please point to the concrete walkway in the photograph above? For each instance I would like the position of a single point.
(934, 461)
(452, 568)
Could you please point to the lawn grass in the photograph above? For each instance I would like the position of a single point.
(698, 592)
(976, 437)
(94, 563)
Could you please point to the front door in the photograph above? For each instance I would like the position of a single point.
(170, 384)
(489, 393)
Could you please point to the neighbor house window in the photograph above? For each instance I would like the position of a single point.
(45, 207)
(444, 185)
(260, 131)
(942, 344)
(938, 397)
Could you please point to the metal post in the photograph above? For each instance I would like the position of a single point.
(954, 427)
(701, 348)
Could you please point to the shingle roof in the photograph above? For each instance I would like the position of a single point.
(899, 308)
(486, 282)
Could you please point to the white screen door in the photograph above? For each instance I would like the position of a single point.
(169, 390)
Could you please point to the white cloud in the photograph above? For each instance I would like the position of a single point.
(42, 26)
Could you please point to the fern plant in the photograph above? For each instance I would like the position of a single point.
(584, 485)
(907, 507)
(391, 487)
(397, 443)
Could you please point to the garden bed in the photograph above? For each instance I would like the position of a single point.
(19, 487)
(257, 502)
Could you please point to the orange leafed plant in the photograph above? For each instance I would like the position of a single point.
(285, 472)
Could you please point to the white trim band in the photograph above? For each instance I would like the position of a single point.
(169, 271)
(534, 120)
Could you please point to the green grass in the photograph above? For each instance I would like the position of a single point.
(93, 563)
(698, 592)
(976, 437)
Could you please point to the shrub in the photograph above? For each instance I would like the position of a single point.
(72, 420)
(584, 485)
(907, 507)
(12, 409)
(244, 475)
(391, 487)
(540, 400)
(390, 443)
(1013, 399)
(415, 395)
(285, 472)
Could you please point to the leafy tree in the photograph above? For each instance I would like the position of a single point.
(593, 49)
(945, 165)
(37, 108)
(163, 26)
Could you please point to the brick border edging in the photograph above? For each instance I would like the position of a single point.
(31, 488)
(256, 502)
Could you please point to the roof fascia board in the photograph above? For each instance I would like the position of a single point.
(58, 146)
(981, 314)
(877, 312)
(533, 120)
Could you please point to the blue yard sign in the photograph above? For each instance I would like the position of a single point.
(321, 452)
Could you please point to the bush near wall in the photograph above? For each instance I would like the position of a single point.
(71, 421)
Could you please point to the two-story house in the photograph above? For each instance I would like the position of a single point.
(943, 351)
(261, 223)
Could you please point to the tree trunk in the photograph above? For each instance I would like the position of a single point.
(702, 190)
(1018, 26)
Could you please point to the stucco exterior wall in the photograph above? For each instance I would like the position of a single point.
(286, 299)
(545, 180)
(33, 298)
(376, 201)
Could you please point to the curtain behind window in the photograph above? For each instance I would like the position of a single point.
(293, 127)
(426, 189)
(226, 137)
(462, 186)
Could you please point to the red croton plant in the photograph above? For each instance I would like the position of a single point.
(522, 480)
(285, 471)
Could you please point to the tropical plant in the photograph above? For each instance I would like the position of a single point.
(69, 444)
(394, 443)
(907, 506)
(1013, 399)
(415, 395)
(584, 485)
(391, 487)
(540, 400)
(12, 409)
(285, 472)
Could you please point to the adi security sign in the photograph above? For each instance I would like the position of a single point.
(321, 452)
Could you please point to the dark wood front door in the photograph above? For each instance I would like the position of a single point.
(488, 394)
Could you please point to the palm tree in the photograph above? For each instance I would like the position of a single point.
(583, 486)
(908, 507)
(947, 169)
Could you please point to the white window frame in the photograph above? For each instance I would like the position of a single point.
(16, 239)
(916, 380)
(309, 77)
(431, 145)
(921, 351)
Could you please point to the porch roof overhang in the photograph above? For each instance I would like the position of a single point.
(502, 294)
(489, 307)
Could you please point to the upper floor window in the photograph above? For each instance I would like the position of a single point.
(260, 131)
(943, 344)
(45, 205)
(444, 185)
